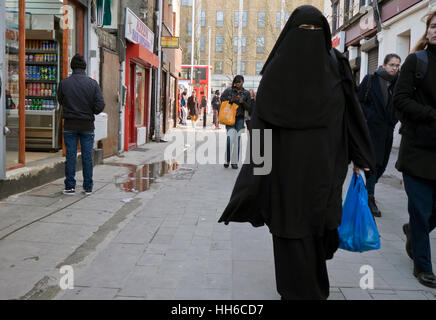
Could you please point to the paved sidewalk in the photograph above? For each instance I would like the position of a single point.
(165, 242)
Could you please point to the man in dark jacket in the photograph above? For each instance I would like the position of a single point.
(80, 98)
(375, 97)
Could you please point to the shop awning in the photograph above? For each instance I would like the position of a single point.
(139, 53)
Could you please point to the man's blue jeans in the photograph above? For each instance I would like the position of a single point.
(71, 138)
(421, 195)
(234, 141)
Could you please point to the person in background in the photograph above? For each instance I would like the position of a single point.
(415, 103)
(248, 113)
(236, 94)
(203, 107)
(184, 101)
(193, 107)
(81, 98)
(216, 103)
(375, 97)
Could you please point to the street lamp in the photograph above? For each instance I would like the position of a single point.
(192, 42)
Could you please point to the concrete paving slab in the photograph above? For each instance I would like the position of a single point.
(55, 233)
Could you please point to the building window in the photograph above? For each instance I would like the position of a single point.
(348, 9)
(203, 18)
(218, 67)
(365, 3)
(219, 18)
(244, 19)
(189, 29)
(261, 19)
(279, 20)
(186, 3)
(243, 44)
(260, 45)
(335, 16)
(219, 44)
(235, 67)
(202, 43)
(259, 66)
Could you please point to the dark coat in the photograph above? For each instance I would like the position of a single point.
(417, 114)
(193, 106)
(380, 117)
(80, 97)
(302, 195)
(245, 105)
(216, 103)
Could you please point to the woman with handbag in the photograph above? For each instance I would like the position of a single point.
(415, 103)
(236, 94)
(193, 108)
(306, 102)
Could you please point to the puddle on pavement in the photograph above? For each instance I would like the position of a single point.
(140, 178)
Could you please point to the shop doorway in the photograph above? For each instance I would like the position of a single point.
(139, 105)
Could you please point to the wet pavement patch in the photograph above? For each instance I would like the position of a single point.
(140, 178)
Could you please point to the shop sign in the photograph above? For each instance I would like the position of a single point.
(137, 31)
(338, 42)
(170, 42)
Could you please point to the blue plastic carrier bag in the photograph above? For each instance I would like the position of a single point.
(358, 231)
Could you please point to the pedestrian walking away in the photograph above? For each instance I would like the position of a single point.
(204, 109)
(216, 103)
(183, 102)
(81, 98)
(375, 97)
(236, 94)
(415, 103)
(193, 108)
(307, 100)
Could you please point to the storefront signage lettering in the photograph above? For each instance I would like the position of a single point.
(170, 42)
(137, 31)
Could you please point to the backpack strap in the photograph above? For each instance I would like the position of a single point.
(421, 66)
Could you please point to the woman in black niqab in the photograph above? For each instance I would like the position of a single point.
(307, 100)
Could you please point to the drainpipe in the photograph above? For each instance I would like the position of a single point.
(159, 75)
(376, 13)
(3, 64)
(121, 91)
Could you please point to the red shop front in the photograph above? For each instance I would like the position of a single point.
(139, 64)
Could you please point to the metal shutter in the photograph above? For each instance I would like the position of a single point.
(372, 60)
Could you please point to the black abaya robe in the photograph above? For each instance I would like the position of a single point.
(317, 128)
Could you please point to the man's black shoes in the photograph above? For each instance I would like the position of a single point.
(408, 240)
(427, 279)
(373, 207)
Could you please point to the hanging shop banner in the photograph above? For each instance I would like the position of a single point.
(137, 31)
(338, 41)
(170, 42)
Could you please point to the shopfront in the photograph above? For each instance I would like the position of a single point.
(140, 61)
(41, 37)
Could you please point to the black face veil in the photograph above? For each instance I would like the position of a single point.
(297, 80)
